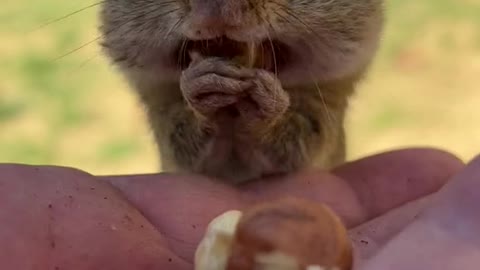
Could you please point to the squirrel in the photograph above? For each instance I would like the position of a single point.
(242, 89)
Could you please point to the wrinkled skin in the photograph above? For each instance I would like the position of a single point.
(60, 218)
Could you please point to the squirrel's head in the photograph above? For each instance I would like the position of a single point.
(307, 39)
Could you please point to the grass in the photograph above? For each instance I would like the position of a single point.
(77, 111)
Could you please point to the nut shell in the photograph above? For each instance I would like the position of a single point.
(310, 233)
(213, 251)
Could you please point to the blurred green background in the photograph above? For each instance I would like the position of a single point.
(423, 90)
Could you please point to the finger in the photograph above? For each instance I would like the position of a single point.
(463, 192)
(62, 218)
(388, 180)
(424, 245)
(180, 206)
(312, 185)
(218, 66)
(370, 237)
(364, 189)
(444, 236)
(213, 83)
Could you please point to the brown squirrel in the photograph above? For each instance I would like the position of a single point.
(278, 110)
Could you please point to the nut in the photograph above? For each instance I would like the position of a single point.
(249, 56)
(289, 234)
(213, 251)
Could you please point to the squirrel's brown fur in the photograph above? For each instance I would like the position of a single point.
(213, 116)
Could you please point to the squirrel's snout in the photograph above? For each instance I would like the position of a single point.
(214, 18)
(201, 27)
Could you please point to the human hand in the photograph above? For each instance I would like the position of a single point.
(64, 219)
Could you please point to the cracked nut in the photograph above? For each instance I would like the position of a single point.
(289, 234)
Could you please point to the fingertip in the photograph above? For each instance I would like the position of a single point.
(415, 156)
(459, 198)
(313, 185)
(388, 180)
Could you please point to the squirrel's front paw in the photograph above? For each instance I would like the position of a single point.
(266, 102)
(210, 84)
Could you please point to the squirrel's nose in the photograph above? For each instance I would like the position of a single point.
(212, 18)
(206, 26)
